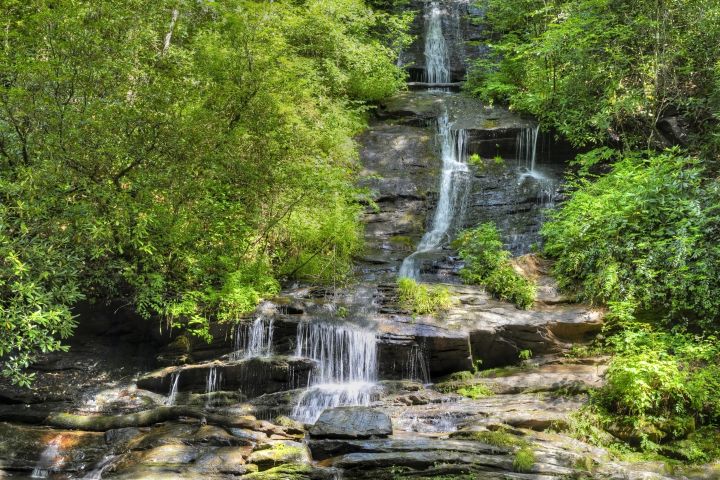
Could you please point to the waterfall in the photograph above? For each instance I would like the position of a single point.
(254, 340)
(437, 68)
(174, 380)
(212, 384)
(50, 459)
(346, 367)
(214, 379)
(526, 146)
(453, 183)
(418, 365)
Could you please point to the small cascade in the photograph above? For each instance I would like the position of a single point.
(212, 384)
(418, 365)
(346, 367)
(50, 459)
(453, 190)
(437, 62)
(102, 466)
(174, 380)
(527, 150)
(255, 339)
(527, 146)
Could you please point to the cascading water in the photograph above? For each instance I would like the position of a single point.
(527, 149)
(346, 367)
(254, 340)
(212, 384)
(50, 459)
(526, 146)
(102, 466)
(437, 63)
(418, 366)
(453, 186)
(172, 395)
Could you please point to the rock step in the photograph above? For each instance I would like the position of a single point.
(253, 377)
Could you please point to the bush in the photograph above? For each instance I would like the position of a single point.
(488, 263)
(642, 238)
(660, 388)
(422, 299)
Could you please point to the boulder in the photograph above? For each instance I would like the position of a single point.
(352, 422)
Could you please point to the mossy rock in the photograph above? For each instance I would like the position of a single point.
(278, 454)
(283, 472)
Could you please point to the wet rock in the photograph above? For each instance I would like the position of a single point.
(459, 31)
(674, 129)
(121, 436)
(253, 376)
(23, 448)
(167, 434)
(352, 422)
(217, 436)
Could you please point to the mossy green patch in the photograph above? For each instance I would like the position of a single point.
(524, 460)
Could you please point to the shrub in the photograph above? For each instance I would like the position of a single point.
(642, 238)
(422, 299)
(660, 387)
(488, 263)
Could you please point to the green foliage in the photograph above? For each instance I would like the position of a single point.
(662, 384)
(178, 157)
(642, 238)
(421, 299)
(600, 70)
(525, 354)
(661, 396)
(524, 460)
(487, 263)
(498, 438)
(475, 391)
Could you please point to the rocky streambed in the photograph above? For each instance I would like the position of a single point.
(330, 383)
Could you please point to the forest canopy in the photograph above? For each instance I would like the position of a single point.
(178, 158)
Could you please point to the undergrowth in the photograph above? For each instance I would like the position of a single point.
(421, 299)
(487, 263)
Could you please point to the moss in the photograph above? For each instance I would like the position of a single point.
(465, 384)
(490, 123)
(278, 454)
(406, 243)
(282, 472)
(498, 438)
(524, 460)
(500, 372)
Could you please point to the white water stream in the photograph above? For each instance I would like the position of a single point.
(346, 367)
(437, 61)
(453, 183)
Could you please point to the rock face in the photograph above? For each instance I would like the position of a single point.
(352, 422)
(253, 377)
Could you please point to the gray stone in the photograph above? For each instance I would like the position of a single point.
(352, 422)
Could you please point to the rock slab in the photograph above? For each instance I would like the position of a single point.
(352, 423)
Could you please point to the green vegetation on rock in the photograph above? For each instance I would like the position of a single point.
(422, 299)
(524, 459)
(487, 263)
